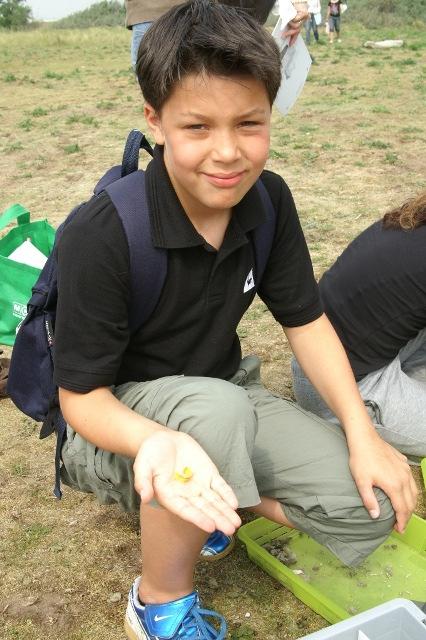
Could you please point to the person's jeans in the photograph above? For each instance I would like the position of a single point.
(334, 24)
(311, 25)
(138, 32)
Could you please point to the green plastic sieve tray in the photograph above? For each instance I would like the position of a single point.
(397, 569)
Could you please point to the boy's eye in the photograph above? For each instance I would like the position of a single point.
(249, 123)
(196, 127)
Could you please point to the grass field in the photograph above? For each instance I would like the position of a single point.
(354, 145)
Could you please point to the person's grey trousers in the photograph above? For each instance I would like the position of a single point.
(395, 397)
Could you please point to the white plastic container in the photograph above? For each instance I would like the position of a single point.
(397, 619)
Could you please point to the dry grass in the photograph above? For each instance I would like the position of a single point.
(354, 145)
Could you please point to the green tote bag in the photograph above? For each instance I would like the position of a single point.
(17, 279)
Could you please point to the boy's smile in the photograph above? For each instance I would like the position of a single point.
(215, 132)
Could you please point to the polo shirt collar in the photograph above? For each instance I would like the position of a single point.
(170, 226)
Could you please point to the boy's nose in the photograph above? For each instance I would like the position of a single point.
(226, 148)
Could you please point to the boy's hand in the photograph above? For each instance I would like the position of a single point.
(205, 499)
(292, 30)
(375, 463)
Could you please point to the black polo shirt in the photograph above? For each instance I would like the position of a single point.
(193, 328)
(375, 295)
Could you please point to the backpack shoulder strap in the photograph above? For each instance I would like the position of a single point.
(263, 235)
(148, 264)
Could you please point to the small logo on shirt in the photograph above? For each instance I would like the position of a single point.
(249, 283)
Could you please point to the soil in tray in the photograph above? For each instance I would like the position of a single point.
(394, 570)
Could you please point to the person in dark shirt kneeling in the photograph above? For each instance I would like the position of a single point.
(375, 297)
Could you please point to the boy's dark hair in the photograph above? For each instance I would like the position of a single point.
(258, 9)
(205, 37)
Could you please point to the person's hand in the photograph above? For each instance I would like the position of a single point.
(292, 30)
(205, 499)
(375, 463)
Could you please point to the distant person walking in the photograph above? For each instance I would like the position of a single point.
(314, 9)
(334, 11)
(139, 18)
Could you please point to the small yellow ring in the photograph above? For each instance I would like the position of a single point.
(184, 475)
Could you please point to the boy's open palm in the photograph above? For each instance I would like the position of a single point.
(205, 499)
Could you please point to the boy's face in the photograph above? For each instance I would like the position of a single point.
(215, 132)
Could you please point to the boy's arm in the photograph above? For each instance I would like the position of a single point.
(205, 500)
(373, 462)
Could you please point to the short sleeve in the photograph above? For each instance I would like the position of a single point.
(91, 329)
(288, 286)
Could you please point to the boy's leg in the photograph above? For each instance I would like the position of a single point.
(170, 549)
(302, 462)
(216, 413)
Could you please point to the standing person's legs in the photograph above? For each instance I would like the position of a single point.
(331, 29)
(337, 27)
(302, 462)
(138, 32)
(314, 27)
(308, 31)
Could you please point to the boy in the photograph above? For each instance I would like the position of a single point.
(171, 412)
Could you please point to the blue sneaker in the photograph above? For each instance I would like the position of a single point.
(181, 619)
(217, 546)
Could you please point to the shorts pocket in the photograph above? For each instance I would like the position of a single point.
(97, 467)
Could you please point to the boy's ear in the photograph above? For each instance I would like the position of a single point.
(153, 121)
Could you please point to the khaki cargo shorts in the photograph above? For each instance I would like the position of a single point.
(262, 445)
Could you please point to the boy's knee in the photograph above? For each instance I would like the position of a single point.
(216, 402)
(348, 531)
(220, 417)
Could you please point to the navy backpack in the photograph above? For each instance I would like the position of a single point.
(30, 384)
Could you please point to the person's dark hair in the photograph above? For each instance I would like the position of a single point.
(205, 37)
(258, 9)
(408, 216)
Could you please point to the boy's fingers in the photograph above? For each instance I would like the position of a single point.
(183, 508)
(370, 501)
(223, 489)
(404, 507)
(223, 507)
(220, 519)
(144, 487)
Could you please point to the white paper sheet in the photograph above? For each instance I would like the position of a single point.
(296, 62)
(286, 11)
(362, 636)
(28, 254)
